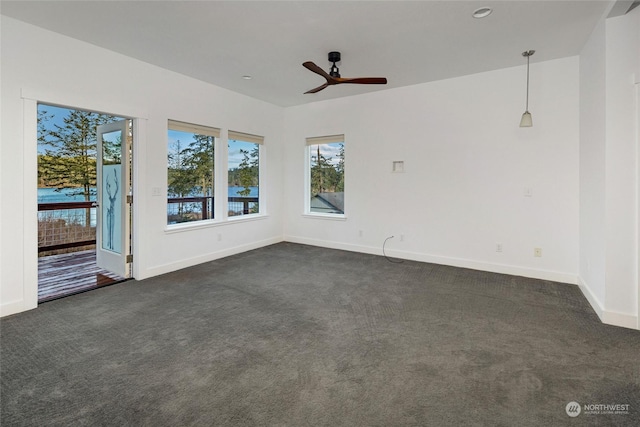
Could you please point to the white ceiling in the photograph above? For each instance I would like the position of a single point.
(409, 42)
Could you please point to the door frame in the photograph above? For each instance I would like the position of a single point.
(30, 100)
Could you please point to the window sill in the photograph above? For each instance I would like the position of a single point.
(198, 225)
(330, 217)
(245, 218)
(195, 225)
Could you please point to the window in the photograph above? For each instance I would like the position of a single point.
(325, 175)
(190, 174)
(244, 173)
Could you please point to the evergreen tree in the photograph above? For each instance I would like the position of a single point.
(248, 171)
(69, 159)
(340, 169)
(199, 162)
(177, 180)
(191, 170)
(324, 177)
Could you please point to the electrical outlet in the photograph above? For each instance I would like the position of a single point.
(402, 237)
(397, 166)
(219, 237)
(360, 233)
(537, 252)
(498, 247)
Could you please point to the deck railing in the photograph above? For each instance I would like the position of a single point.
(242, 205)
(68, 225)
(186, 209)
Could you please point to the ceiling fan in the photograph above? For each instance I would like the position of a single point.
(333, 78)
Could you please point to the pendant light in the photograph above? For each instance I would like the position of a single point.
(526, 121)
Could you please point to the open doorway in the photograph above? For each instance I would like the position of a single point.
(84, 195)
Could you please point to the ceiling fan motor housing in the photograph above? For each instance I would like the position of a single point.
(334, 57)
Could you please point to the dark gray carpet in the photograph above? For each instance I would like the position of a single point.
(293, 335)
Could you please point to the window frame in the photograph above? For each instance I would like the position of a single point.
(233, 135)
(180, 126)
(309, 142)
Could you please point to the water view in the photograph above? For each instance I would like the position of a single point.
(52, 195)
(174, 210)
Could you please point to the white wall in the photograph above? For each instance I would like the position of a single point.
(609, 73)
(592, 167)
(623, 44)
(467, 164)
(41, 65)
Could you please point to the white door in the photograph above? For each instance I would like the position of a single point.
(113, 183)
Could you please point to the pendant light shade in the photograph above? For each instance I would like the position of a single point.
(527, 121)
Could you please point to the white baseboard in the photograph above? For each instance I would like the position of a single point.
(167, 268)
(620, 319)
(13, 307)
(607, 316)
(437, 259)
(332, 245)
(596, 304)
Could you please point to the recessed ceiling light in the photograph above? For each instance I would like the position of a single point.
(247, 77)
(483, 12)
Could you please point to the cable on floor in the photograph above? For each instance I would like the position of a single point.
(385, 255)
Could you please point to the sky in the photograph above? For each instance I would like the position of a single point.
(329, 151)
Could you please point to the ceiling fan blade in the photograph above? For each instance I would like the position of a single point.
(364, 80)
(313, 67)
(335, 80)
(318, 89)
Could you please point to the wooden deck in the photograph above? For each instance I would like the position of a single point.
(67, 274)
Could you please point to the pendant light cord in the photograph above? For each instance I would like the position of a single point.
(528, 54)
(527, 105)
